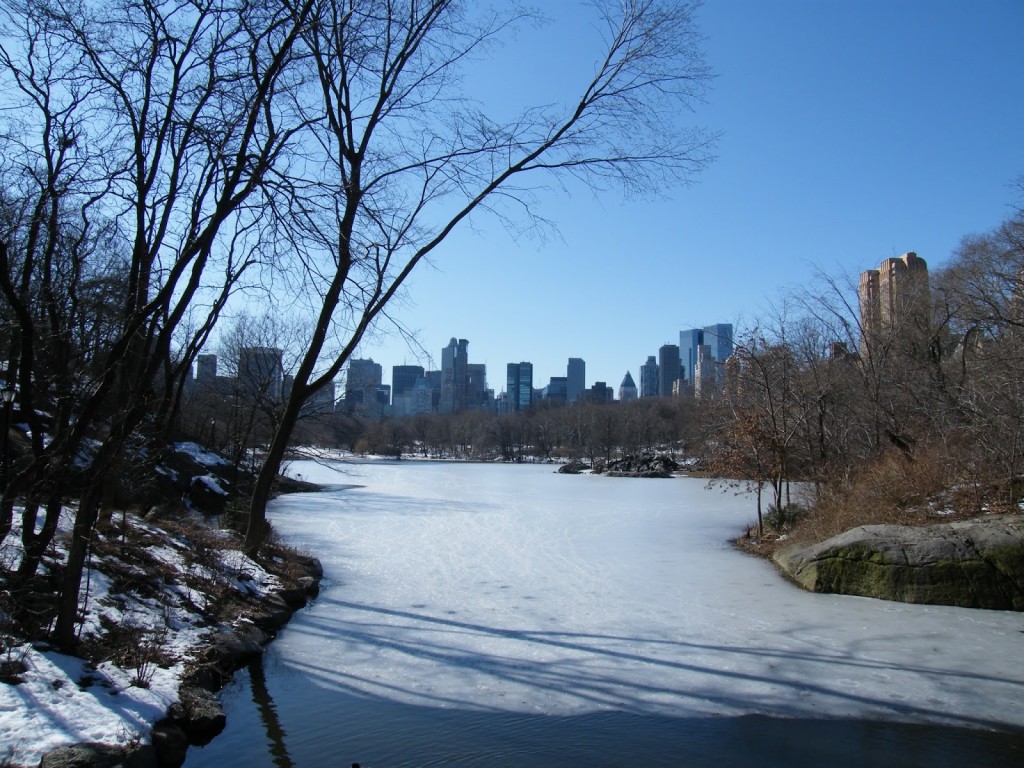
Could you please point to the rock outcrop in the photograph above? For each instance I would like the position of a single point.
(644, 465)
(975, 563)
(574, 467)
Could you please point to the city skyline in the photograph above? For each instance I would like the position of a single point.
(840, 149)
(573, 385)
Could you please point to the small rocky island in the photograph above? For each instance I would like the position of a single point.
(642, 465)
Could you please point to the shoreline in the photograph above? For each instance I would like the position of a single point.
(209, 610)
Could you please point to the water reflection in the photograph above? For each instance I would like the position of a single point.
(331, 727)
(268, 715)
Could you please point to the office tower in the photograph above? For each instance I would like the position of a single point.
(454, 359)
(719, 339)
(894, 301)
(576, 378)
(476, 385)
(705, 381)
(362, 380)
(319, 402)
(600, 392)
(519, 386)
(649, 378)
(627, 389)
(434, 381)
(261, 372)
(422, 397)
(557, 390)
(206, 370)
(688, 343)
(669, 369)
(403, 378)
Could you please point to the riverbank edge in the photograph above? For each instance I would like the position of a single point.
(198, 717)
(977, 562)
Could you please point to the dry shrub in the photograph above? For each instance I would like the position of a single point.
(131, 646)
(896, 488)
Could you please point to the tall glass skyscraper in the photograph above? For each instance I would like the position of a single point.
(519, 386)
(575, 379)
(689, 341)
(649, 378)
(669, 369)
(719, 338)
(403, 378)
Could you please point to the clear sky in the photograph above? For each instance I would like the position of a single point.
(852, 131)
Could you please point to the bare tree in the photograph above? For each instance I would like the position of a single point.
(156, 117)
(401, 159)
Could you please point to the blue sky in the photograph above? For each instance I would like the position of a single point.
(852, 131)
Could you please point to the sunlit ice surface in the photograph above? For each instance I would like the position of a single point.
(513, 589)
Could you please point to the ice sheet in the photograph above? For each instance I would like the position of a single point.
(512, 588)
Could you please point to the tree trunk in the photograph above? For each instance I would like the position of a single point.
(81, 538)
(760, 519)
(35, 544)
(256, 530)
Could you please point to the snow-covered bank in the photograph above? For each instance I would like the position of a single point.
(157, 593)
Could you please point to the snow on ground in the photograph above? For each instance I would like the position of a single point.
(201, 455)
(64, 700)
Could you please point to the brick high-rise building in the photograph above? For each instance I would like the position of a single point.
(895, 301)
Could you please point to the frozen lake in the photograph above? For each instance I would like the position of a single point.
(479, 614)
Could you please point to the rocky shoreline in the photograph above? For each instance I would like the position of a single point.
(197, 717)
(976, 563)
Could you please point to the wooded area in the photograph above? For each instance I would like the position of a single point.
(158, 160)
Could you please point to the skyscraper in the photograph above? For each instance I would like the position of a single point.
(669, 369)
(476, 385)
(719, 338)
(206, 370)
(403, 378)
(576, 379)
(519, 386)
(454, 359)
(894, 300)
(705, 381)
(649, 378)
(688, 343)
(261, 372)
(403, 389)
(627, 389)
(363, 379)
(556, 390)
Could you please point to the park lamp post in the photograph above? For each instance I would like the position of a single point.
(7, 395)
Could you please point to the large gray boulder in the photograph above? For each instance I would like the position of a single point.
(973, 563)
